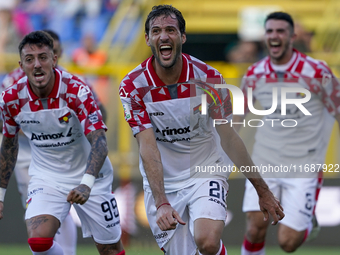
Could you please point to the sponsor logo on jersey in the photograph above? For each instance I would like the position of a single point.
(43, 136)
(93, 117)
(156, 113)
(65, 118)
(29, 122)
(127, 112)
(174, 131)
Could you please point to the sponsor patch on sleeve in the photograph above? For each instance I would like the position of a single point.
(127, 112)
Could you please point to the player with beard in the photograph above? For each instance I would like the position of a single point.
(58, 114)
(162, 105)
(302, 145)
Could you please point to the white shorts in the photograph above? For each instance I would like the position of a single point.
(205, 199)
(298, 197)
(99, 215)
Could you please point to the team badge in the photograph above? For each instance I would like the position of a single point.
(65, 118)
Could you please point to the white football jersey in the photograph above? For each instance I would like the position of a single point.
(56, 127)
(185, 138)
(285, 138)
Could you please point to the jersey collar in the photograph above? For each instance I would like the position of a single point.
(156, 81)
(55, 91)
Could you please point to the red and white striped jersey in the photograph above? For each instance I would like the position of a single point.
(311, 134)
(184, 136)
(56, 127)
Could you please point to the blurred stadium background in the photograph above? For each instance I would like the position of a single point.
(225, 33)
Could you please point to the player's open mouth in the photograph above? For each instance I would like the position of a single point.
(39, 76)
(275, 46)
(166, 51)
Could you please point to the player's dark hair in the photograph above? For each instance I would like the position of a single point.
(281, 16)
(39, 38)
(166, 10)
(53, 34)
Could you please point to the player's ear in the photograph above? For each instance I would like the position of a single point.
(55, 60)
(20, 64)
(147, 39)
(184, 38)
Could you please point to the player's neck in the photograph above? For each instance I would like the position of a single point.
(169, 75)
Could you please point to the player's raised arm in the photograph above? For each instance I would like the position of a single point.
(95, 162)
(233, 145)
(8, 158)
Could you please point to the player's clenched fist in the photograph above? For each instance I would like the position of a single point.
(79, 195)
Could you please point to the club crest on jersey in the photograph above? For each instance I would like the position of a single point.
(65, 118)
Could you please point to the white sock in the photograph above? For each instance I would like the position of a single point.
(66, 236)
(54, 250)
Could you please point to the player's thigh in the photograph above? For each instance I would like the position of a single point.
(208, 205)
(287, 235)
(299, 196)
(99, 218)
(46, 208)
(180, 240)
(43, 225)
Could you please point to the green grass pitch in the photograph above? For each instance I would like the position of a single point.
(21, 249)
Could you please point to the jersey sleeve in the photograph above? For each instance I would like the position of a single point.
(87, 109)
(8, 110)
(134, 109)
(331, 91)
(220, 106)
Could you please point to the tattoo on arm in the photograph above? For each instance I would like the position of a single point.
(98, 151)
(8, 158)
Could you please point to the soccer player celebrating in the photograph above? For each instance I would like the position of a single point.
(67, 234)
(303, 145)
(58, 114)
(162, 106)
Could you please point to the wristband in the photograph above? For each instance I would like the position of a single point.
(88, 180)
(2, 194)
(162, 205)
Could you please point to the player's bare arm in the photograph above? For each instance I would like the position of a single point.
(167, 217)
(95, 161)
(8, 158)
(233, 145)
(236, 119)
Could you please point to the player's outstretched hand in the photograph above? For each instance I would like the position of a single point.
(167, 218)
(1, 209)
(79, 195)
(270, 205)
